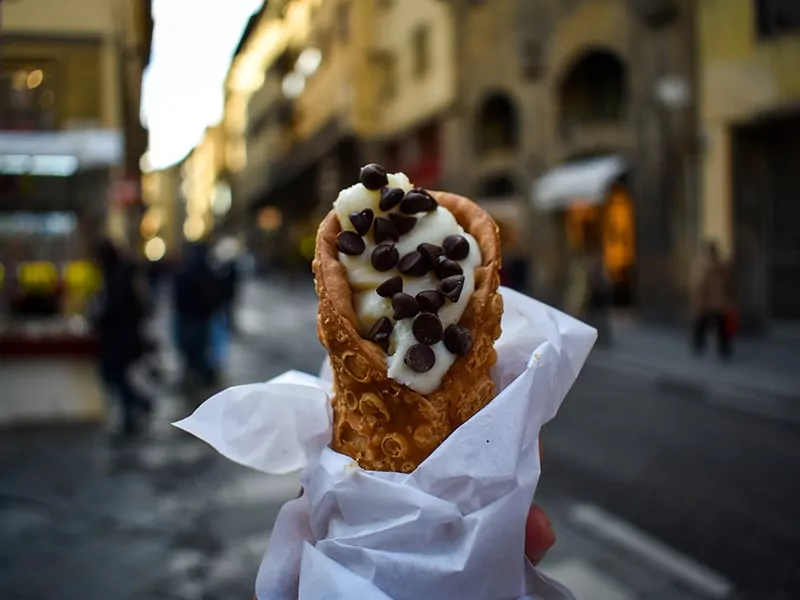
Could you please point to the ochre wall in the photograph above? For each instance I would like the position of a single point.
(740, 78)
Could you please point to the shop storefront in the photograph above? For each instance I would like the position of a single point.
(593, 208)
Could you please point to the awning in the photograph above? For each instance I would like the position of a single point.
(584, 182)
(59, 152)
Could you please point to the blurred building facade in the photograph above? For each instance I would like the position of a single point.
(749, 112)
(484, 99)
(618, 127)
(318, 88)
(581, 112)
(70, 136)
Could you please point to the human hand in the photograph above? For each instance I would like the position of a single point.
(539, 534)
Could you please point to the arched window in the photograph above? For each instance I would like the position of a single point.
(497, 126)
(593, 91)
(498, 186)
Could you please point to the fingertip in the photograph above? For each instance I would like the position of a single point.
(539, 534)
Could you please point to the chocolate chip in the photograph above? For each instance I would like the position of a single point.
(390, 197)
(414, 264)
(417, 201)
(447, 268)
(456, 247)
(384, 256)
(362, 221)
(373, 177)
(451, 287)
(380, 330)
(390, 287)
(430, 251)
(457, 339)
(384, 231)
(430, 301)
(402, 223)
(420, 358)
(350, 242)
(427, 328)
(404, 306)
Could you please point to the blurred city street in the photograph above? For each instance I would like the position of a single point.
(166, 517)
(165, 168)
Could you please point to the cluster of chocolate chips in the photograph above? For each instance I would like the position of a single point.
(423, 308)
(427, 327)
(386, 231)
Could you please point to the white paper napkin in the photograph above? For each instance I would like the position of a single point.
(454, 528)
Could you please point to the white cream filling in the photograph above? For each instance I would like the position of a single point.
(431, 228)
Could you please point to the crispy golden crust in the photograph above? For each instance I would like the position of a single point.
(380, 423)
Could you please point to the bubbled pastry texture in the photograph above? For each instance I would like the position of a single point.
(382, 424)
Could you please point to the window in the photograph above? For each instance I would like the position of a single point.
(497, 125)
(498, 186)
(343, 21)
(594, 91)
(421, 51)
(388, 77)
(27, 96)
(777, 17)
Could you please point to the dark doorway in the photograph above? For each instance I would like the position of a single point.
(497, 126)
(593, 91)
(766, 207)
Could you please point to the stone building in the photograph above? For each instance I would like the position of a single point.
(749, 114)
(586, 103)
(318, 89)
(590, 103)
(70, 133)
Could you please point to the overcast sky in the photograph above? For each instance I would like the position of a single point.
(193, 43)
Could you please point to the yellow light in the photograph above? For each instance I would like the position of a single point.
(194, 228)
(81, 274)
(34, 79)
(18, 79)
(151, 222)
(308, 246)
(270, 218)
(35, 274)
(155, 249)
(196, 206)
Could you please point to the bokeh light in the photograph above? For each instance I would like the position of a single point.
(155, 249)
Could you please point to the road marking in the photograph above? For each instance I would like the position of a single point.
(683, 568)
(585, 581)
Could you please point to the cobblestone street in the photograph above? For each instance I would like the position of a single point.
(83, 517)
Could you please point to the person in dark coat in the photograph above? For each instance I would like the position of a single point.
(118, 321)
(197, 297)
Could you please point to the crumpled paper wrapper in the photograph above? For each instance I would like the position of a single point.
(454, 528)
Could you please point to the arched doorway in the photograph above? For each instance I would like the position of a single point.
(593, 91)
(497, 126)
(498, 185)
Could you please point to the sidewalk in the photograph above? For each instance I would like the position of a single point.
(49, 390)
(763, 377)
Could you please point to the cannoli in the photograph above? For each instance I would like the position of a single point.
(409, 311)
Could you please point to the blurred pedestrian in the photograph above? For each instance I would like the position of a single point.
(599, 294)
(118, 318)
(226, 264)
(197, 298)
(711, 300)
